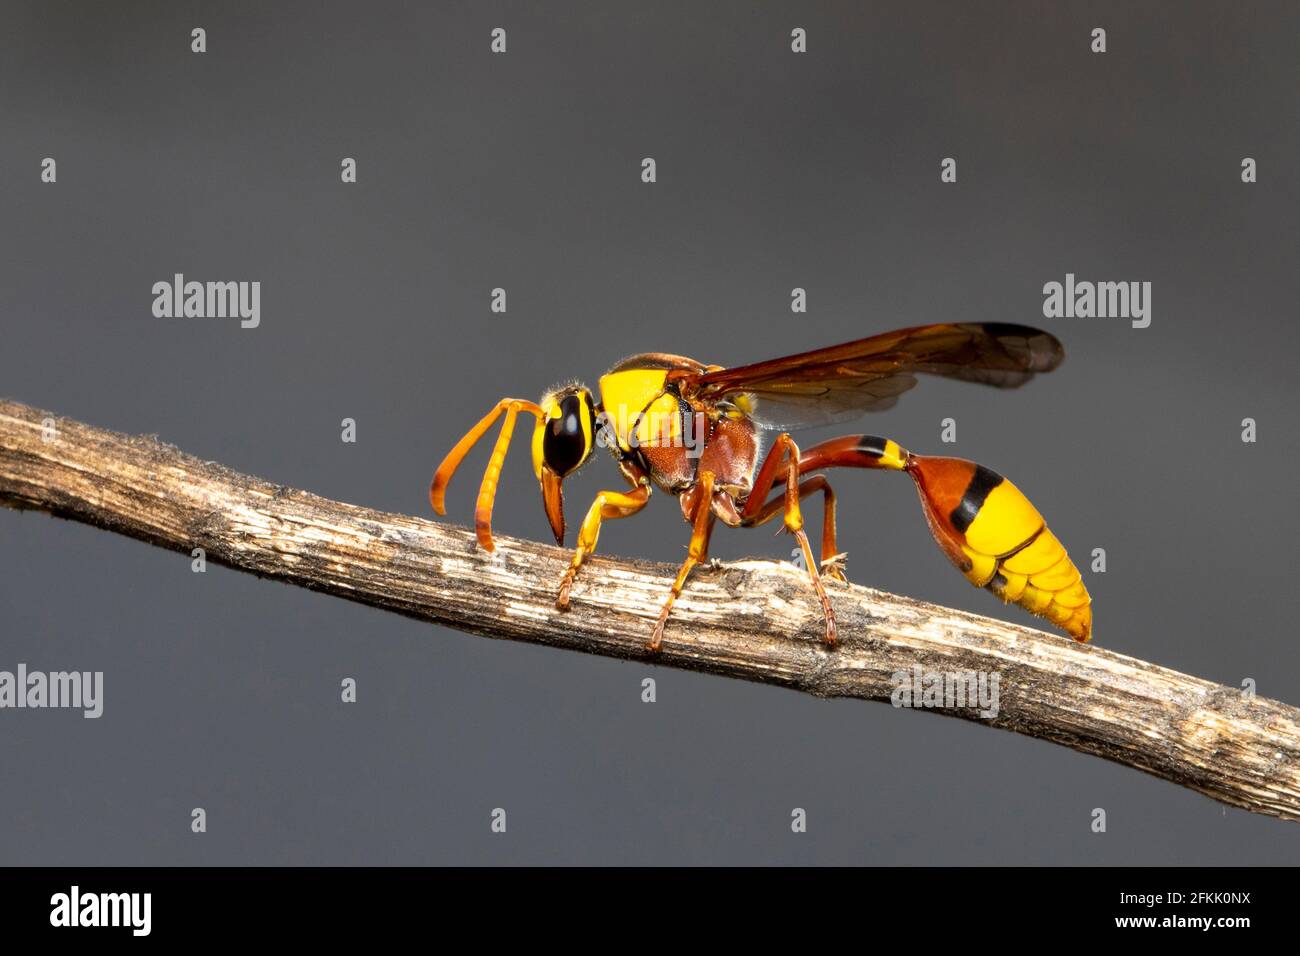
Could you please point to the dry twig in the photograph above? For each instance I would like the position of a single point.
(755, 620)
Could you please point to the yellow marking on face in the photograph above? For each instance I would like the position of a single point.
(588, 438)
(550, 411)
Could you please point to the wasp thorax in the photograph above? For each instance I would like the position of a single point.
(569, 429)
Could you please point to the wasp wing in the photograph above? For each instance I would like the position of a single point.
(843, 381)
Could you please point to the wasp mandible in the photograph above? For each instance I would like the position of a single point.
(696, 430)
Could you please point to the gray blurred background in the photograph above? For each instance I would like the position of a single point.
(522, 170)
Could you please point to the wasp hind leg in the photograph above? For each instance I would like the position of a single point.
(783, 461)
(832, 563)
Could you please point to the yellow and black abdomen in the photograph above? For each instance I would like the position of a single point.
(999, 541)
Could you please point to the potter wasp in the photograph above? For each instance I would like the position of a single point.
(696, 430)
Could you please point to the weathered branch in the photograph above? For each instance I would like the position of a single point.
(756, 620)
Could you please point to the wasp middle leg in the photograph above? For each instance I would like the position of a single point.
(702, 520)
(832, 560)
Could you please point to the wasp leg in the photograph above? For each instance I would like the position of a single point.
(783, 460)
(608, 504)
(510, 407)
(832, 563)
(701, 529)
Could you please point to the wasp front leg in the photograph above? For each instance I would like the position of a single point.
(510, 407)
(608, 504)
(783, 459)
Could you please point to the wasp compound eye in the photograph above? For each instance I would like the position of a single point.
(566, 441)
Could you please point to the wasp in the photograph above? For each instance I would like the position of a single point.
(697, 431)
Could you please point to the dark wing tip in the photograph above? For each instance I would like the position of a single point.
(1033, 349)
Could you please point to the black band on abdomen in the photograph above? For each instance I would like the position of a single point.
(972, 499)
